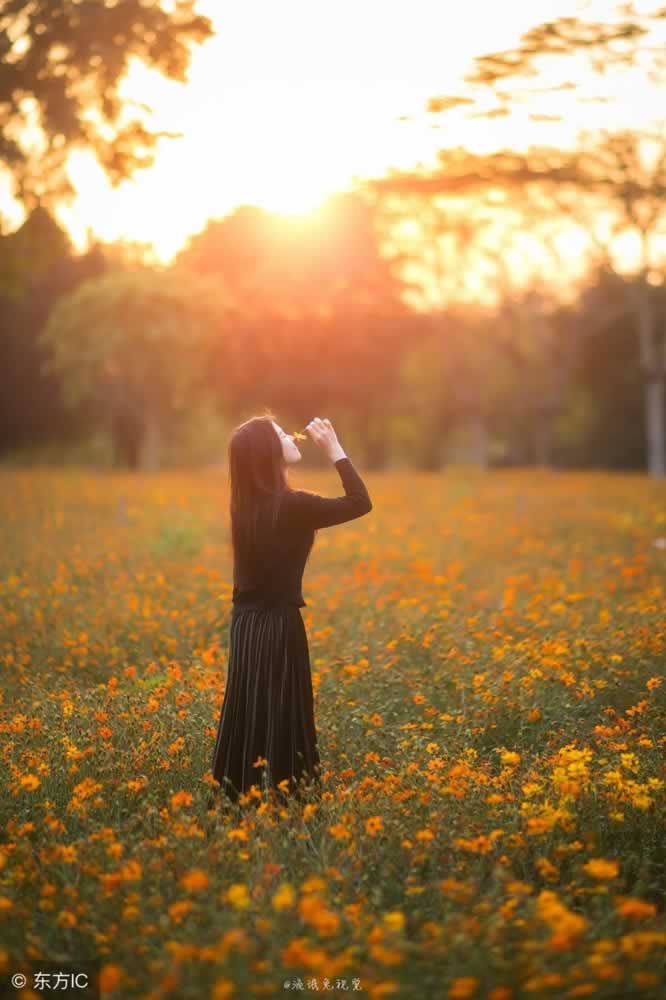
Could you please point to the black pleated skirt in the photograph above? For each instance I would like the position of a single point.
(268, 706)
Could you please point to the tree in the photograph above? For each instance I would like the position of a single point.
(610, 171)
(37, 266)
(320, 318)
(612, 186)
(627, 41)
(318, 263)
(604, 426)
(135, 347)
(464, 249)
(60, 70)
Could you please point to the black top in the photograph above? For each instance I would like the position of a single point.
(300, 514)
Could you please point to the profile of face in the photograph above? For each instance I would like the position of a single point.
(290, 451)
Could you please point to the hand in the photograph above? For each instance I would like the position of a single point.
(322, 433)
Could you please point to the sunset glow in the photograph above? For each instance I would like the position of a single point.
(289, 103)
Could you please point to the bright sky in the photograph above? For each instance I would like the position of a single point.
(290, 101)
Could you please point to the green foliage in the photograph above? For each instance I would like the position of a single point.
(180, 536)
(38, 246)
(135, 340)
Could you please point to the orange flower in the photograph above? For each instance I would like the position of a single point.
(181, 799)
(463, 987)
(602, 869)
(637, 909)
(110, 977)
(194, 880)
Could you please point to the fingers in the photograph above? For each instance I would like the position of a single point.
(319, 428)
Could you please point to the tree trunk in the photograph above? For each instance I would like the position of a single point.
(427, 456)
(542, 439)
(654, 425)
(653, 374)
(126, 438)
(374, 442)
(480, 442)
(151, 443)
(375, 454)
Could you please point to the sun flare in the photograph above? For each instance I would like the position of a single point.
(288, 104)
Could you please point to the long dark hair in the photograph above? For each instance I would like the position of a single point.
(258, 480)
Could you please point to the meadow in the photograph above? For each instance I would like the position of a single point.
(488, 654)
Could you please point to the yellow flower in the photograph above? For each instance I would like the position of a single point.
(510, 758)
(602, 869)
(237, 833)
(637, 944)
(565, 925)
(30, 782)
(547, 870)
(284, 897)
(475, 845)
(238, 896)
(313, 884)
(222, 990)
(395, 920)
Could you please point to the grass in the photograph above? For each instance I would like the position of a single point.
(488, 655)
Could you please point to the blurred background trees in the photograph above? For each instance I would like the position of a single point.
(62, 64)
(479, 310)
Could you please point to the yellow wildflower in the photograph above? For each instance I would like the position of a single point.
(238, 896)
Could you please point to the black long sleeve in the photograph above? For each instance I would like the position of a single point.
(323, 512)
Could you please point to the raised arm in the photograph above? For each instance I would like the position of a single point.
(324, 512)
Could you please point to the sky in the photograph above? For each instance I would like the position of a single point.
(292, 100)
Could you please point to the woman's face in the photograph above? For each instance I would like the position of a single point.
(290, 451)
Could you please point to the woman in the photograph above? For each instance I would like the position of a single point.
(267, 732)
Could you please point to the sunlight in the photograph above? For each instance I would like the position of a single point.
(284, 116)
(280, 118)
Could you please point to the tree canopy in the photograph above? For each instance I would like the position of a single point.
(60, 68)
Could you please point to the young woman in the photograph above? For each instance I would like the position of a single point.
(267, 731)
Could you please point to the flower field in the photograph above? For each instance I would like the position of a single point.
(488, 656)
